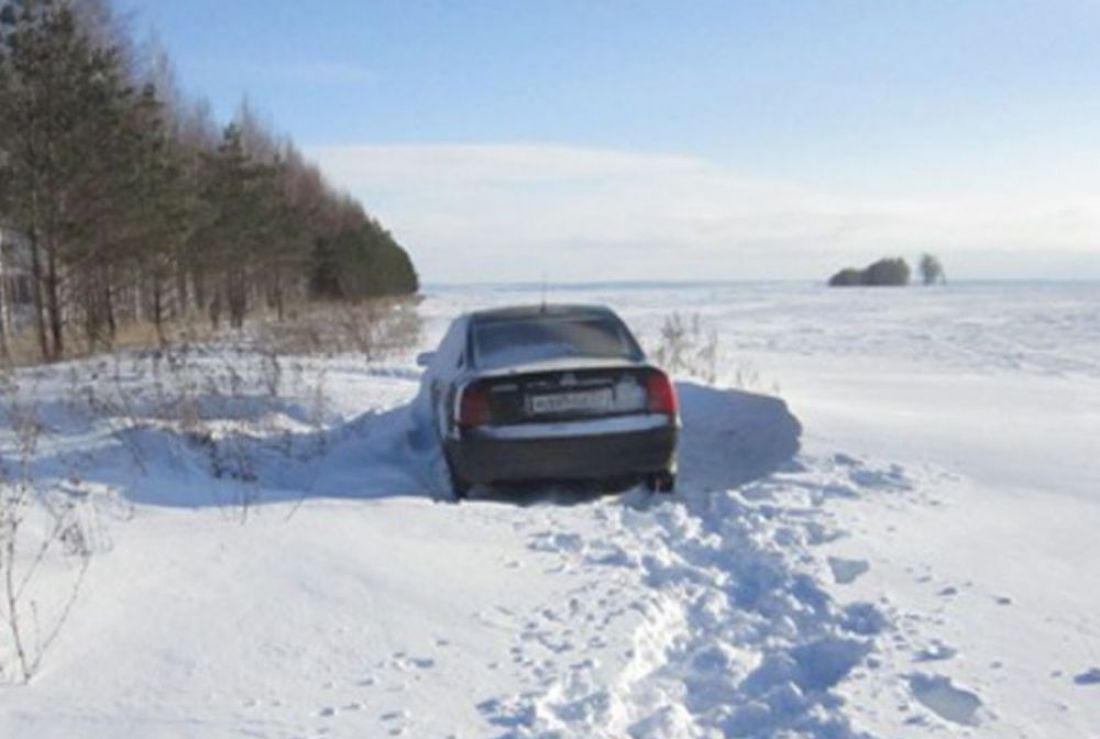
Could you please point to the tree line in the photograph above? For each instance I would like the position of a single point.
(890, 272)
(132, 205)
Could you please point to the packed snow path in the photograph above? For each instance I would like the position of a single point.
(801, 583)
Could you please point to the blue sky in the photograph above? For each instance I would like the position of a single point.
(673, 139)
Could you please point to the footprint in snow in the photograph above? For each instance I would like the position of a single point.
(838, 490)
(892, 478)
(845, 460)
(1089, 677)
(846, 571)
(935, 652)
(402, 662)
(864, 619)
(817, 533)
(939, 695)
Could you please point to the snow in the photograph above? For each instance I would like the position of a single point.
(947, 701)
(888, 530)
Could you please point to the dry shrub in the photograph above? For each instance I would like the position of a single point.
(688, 346)
(378, 329)
(42, 524)
(217, 393)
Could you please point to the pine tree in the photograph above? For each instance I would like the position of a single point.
(136, 208)
(57, 93)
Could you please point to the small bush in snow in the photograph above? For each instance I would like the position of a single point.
(688, 347)
(45, 532)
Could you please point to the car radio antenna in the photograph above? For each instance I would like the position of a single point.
(542, 307)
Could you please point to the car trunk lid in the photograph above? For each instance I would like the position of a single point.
(560, 395)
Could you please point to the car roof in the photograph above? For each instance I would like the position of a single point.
(551, 310)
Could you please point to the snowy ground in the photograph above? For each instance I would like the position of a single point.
(905, 545)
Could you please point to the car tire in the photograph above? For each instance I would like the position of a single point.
(660, 482)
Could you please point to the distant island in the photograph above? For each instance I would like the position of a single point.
(884, 272)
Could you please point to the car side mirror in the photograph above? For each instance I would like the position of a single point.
(424, 359)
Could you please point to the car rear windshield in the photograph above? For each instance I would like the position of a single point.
(499, 343)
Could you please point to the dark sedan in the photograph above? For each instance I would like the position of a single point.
(549, 393)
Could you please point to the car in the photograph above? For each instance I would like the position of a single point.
(557, 393)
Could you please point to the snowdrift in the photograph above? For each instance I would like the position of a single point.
(383, 454)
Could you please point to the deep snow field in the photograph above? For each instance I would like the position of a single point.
(887, 524)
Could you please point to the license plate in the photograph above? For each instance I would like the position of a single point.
(593, 400)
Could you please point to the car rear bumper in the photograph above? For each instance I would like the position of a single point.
(544, 452)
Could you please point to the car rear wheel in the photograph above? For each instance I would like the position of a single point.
(660, 482)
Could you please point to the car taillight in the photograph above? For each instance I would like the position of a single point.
(661, 394)
(473, 407)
